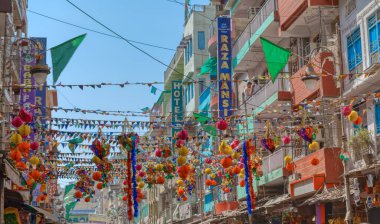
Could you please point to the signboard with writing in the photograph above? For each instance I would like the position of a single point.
(40, 98)
(27, 60)
(177, 107)
(224, 67)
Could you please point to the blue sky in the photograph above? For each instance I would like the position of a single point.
(106, 59)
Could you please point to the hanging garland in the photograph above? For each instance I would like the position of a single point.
(246, 178)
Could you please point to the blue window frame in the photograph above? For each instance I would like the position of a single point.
(188, 51)
(377, 116)
(373, 36)
(201, 40)
(354, 50)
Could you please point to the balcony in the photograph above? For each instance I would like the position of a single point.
(269, 94)
(177, 64)
(260, 24)
(323, 63)
(310, 178)
(297, 13)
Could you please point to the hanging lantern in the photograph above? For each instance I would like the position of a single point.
(17, 122)
(183, 135)
(222, 125)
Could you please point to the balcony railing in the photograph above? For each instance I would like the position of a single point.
(275, 161)
(266, 91)
(254, 25)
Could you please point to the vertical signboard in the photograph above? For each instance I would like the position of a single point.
(224, 67)
(177, 108)
(40, 98)
(27, 61)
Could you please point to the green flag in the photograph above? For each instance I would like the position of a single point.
(62, 54)
(276, 57)
(70, 206)
(210, 129)
(153, 90)
(68, 188)
(208, 66)
(201, 118)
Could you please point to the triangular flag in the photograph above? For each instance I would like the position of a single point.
(275, 56)
(153, 90)
(62, 54)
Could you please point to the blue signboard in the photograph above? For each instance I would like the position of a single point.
(177, 108)
(40, 98)
(224, 67)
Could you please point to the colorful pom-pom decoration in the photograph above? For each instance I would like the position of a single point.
(286, 139)
(353, 116)
(17, 122)
(346, 110)
(314, 161)
(34, 146)
(183, 135)
(314, 146)
(222, 125)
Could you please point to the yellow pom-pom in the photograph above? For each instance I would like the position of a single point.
(138, 179)
(159, 167)
(314, 146)
(181, 160)
(353, 116)
(236, 155)
(241, 175)
(213, 176)
(96, 160)
(183, 151)
(24, 130)
(208, 171)
(141, 184)
(288, 159)
(180, 182)
(34, 160)
(16, 139)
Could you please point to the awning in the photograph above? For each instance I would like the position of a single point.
(48, 215)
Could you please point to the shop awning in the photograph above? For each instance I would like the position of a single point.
(48, 215)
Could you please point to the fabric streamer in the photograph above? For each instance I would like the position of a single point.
(135, 203)
(129, 184)
(246, 178)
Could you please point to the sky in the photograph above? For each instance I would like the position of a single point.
(105, 59)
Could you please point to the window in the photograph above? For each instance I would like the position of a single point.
(188, 51)
(201, 40)
(354, 50)
(374, 34)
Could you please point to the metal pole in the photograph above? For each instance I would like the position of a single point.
(246, 128)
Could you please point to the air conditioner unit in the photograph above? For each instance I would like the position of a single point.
(252, 12)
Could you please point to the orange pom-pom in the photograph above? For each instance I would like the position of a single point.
(226, 190)
(226, 162)
(87, 199)
(208, 182)
(289, 167)
(358, 121)
(125, 198)
(35, 174)
(78, 194)
(160, 180)
(16, 155)
(21, 166)
(236, 170)
(24, 147)
(242, 183)
(96, 176)
(181, 191)
(99, 186)
(314, 161)
(184, 199)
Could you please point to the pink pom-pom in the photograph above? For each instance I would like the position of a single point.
(241, 165)
(219, 173)
(34, 145)
(235, 143)
(346, 110)
(25, 115)
(222, 125)
(183, 134)
(158, 153)
(125, 182)
(286, 140)
(138, 167)
(17, 122)
(179, 143)
(208, 160)
(142, 174)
